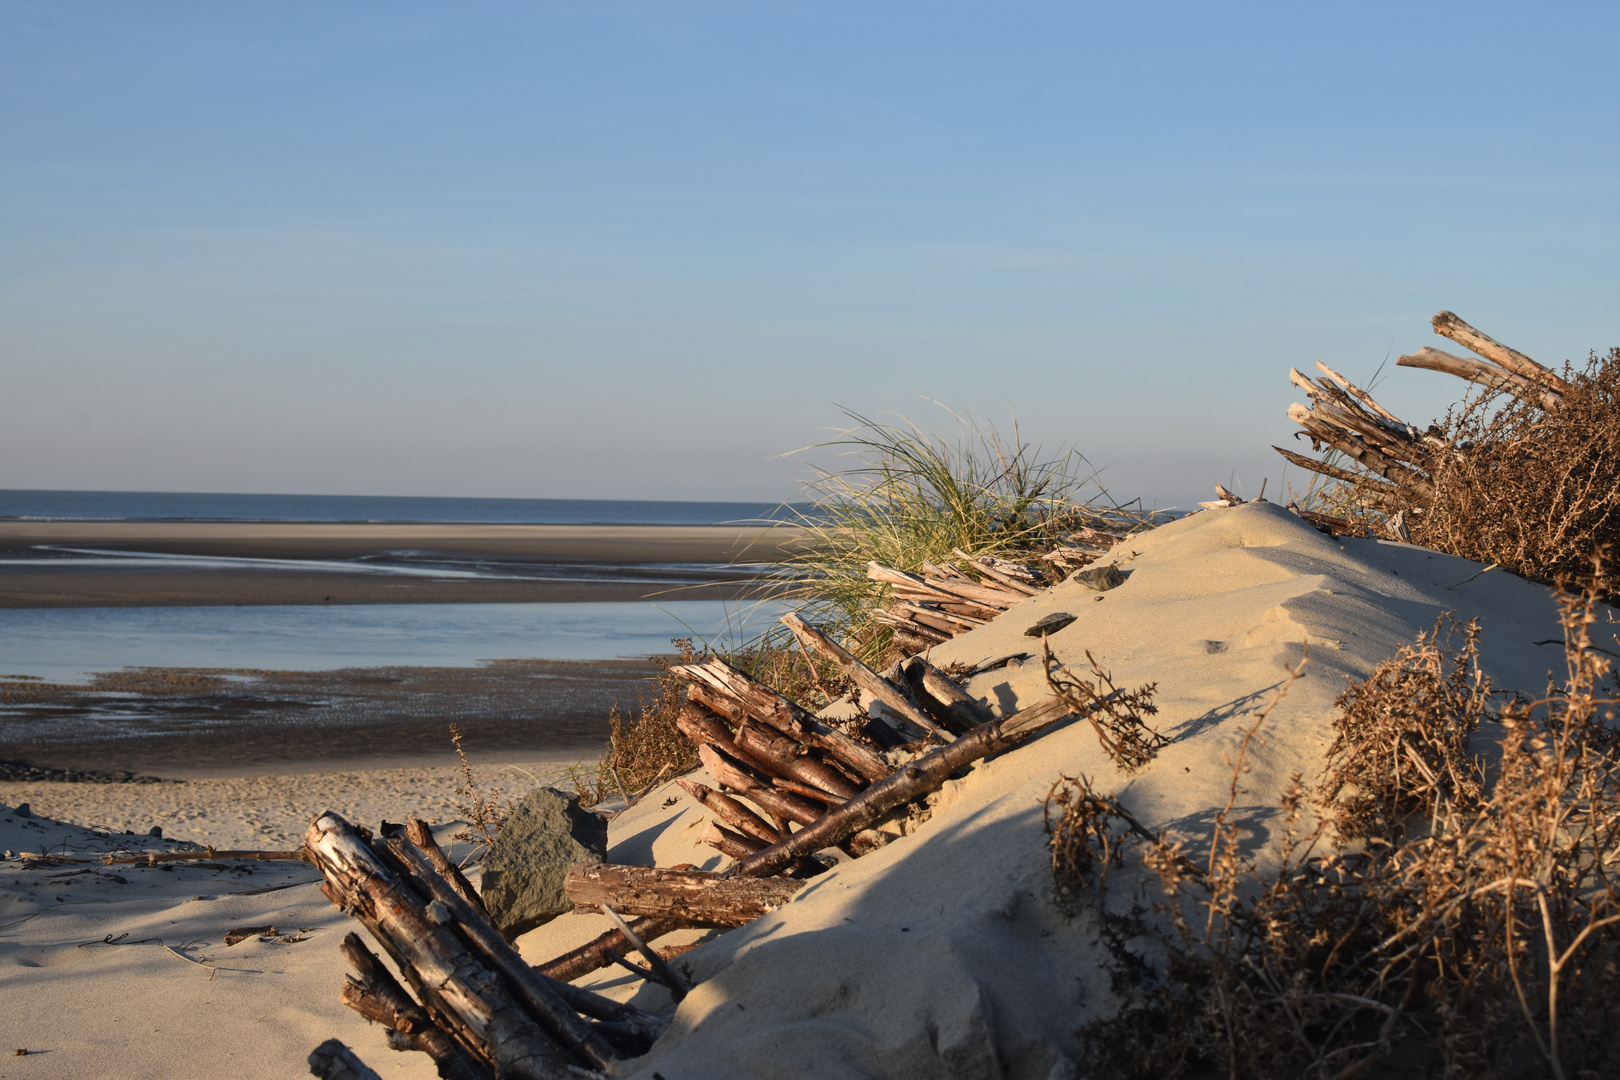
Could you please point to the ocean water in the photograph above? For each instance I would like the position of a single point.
(209, 506)
(69, 644)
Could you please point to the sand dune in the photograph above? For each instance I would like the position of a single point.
(939, 955)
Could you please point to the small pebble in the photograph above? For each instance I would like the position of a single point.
(1050, 625)
(156, 830)
(1101, 578)
(23, 810)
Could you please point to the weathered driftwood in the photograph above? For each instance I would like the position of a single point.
(733, 844)
(1482, 372)
(593, 954)
(864, 677)
(658, 969)
(422, 836)
(942, 602)
(152, 859)
(375, 994)
(334, 1061)
(946, 702)
(534, 991)
(788, 759)
(1401, 458)
(731, 811)
(911, 782)
(457, 989)
(774, 755)
(693, 896)
(1449, 325)
(761, 792)
(733, 695)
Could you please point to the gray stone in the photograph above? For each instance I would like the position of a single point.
(1101, 578)
(524, 869)
(156, 830)
(1050, 625)
(23, 810)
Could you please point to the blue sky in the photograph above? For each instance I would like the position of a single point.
(639, 250)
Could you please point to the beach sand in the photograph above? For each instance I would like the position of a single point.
(527, 563)
(939, 955)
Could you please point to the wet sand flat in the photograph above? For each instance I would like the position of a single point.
(191, 723)
(627, 544)
(42, 565)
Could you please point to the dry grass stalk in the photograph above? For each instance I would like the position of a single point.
(483, 811)
(1487, 944)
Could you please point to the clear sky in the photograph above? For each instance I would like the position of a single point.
(637, 250)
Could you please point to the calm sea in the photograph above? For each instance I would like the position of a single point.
(211, 506)
(67, 645)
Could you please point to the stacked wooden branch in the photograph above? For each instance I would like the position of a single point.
(1394, 460)
(468, 999)
(943, 601)
(791, 787)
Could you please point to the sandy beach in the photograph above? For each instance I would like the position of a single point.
(941, 954)
(515, 563)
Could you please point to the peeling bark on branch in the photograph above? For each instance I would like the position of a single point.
(693, 896)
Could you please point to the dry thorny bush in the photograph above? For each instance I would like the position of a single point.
(1402, 742)
(1530, 489)
(1479, 936)
(1116, 715)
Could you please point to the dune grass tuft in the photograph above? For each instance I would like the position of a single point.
(914, 495)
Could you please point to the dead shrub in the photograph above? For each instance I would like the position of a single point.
(1117, 716)
(1081, 831)
(1533, 490)
(1488, 944)
(649, 748)
(1402, 738)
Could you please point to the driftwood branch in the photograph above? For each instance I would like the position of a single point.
(422, 836)
(863, 676)
(1449, 325)
(678, 986)
(911, 782)
(1009, 575)
(942, 698)
(724, 690)
(693, 896)
(154, 858)
(731, 812)
(536, 992)
(376, 995)
(1482, 372)
(1345, 417)
(593, 954)
(459, 992)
